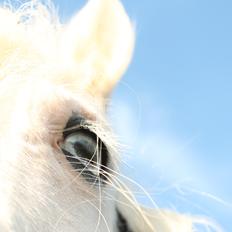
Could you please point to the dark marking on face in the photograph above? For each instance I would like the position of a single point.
(122, 224)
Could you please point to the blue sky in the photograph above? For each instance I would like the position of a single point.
(181, 82)
(173, 107)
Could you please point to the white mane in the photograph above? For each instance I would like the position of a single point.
(48, 71)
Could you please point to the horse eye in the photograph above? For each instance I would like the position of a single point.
(86, 153)
(82, 146)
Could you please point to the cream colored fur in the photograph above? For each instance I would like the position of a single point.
(47, 71)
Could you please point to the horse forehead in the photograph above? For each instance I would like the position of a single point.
(44, 102)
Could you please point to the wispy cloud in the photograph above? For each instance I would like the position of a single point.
(162, 152)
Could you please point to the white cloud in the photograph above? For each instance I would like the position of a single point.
(162, 152)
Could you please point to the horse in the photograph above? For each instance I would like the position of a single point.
(59, 159)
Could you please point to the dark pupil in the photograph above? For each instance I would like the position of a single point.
(86, 146)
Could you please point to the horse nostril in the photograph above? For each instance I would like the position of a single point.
(122, 223)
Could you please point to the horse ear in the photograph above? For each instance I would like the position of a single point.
(100, 40)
